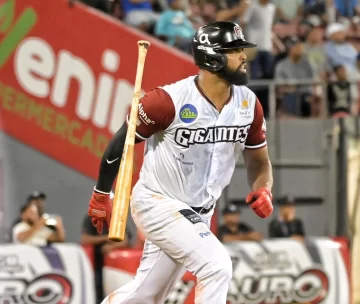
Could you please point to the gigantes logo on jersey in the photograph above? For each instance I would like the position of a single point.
(186, 137)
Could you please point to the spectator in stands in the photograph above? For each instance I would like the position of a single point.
(314, 47)
(315, 7)
(102, 246)
(232, 10)
(35, 229)
(232, 4)
(159, 6)
(193, 11)
(36, 197)
(175, 27)
(209, 9)
(101, 5)
(340, 100)
(338, 50)
(116, 10)
(287, 225)
(347, 8)
(258, 21)
(290, 9)
(302, 30)
(235, 230)
(139, 14)
(295, 66)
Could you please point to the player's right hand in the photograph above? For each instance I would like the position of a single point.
(100, 210)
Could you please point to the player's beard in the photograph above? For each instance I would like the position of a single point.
(236, 77)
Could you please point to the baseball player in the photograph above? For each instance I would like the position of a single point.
(194, 131)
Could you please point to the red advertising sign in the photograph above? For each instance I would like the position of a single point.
(66, 78)
(2, 196)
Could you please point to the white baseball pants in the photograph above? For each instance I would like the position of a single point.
(178, 239)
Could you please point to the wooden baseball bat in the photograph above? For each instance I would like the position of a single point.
(121, 199)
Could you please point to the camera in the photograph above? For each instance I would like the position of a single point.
(50, 221)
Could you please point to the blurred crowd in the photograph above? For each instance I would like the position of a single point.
(309, 47)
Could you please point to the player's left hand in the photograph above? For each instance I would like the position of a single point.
(261, 202)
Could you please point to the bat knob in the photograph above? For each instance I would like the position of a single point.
(144, 43)
(115, 239)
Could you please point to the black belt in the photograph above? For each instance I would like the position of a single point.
(202, 210)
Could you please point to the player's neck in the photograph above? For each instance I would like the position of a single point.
(217, 90)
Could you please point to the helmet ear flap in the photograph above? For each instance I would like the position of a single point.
(215, 62)
(208, 59)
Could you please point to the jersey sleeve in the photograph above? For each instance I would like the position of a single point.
(156, 111)
(256, 138)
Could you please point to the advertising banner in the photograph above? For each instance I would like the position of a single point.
(67, 75)
(2, 202)
(278, 271)
(58, 274)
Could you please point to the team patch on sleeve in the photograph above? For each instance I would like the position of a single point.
(191, 216)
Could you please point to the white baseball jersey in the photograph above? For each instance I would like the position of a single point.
(191, 149)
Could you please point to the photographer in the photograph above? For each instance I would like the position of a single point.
(35, 229)
(39, 199)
